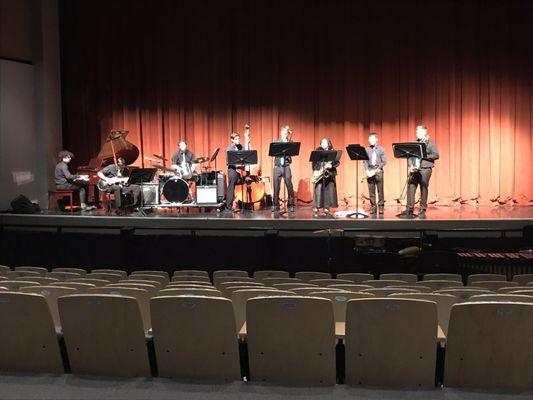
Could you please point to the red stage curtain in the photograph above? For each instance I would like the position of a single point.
(198, 70)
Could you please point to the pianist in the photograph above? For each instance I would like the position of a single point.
(65, 180)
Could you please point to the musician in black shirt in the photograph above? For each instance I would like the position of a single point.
(233, 175)
(182, 161)
(282, 169)
(64, 180)
(114, 177)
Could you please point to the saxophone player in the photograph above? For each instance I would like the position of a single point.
(325, 192)
(374, 172)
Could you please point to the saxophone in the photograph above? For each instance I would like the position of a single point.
(322, 173)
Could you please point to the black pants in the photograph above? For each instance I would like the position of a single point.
(233, 178)
(78, 188)
(376, 182)
(421, 178)
(117, 190)
(285, 173)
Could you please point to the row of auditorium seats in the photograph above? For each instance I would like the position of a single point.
(110, 323)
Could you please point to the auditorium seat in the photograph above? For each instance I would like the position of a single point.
(306, 291)
(440, 284)
(123, 274)
(291, 340)
(4, 289)
(63, 276)
(80, 287)
(176, 291)
(523, 279)
(16, 285)
(260, 275)
(442, 277)
(80, 271)
(386, 291)
(508, 289)
(290, 286)
(444, 303)
(96, 349)
(503, 297)
(228, 290)
(141, 295)
(150, 287)
(223, 285)
(42, 280)
(191, 272)
(490, 346)
(464, 293)
(528, 292)
(391, 343)
(275, 281)
(149, 277)
(229, 273)
(40, 270)
(51, 294)
(4, 269)
(28, 340)
(381, 283)
(92, 281)
(356, 277)
(409, 278)
(156, 284)
(199, 341)
(340, 300)
(189, 284)
(191, 278)
(3, 278)
(418, 288)
(224, 279)
(492, 285)
(163, 274)
(22, 274)
(307, 276)
(485, 277)
(353, 287)
(240, 297)
(326, 282)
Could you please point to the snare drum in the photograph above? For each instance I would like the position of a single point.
(176, 190)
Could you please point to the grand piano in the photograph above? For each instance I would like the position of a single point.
(114, 147)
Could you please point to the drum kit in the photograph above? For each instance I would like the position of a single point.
(177, 186)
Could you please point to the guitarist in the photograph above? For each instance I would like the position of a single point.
(374, 172)
(113, 177)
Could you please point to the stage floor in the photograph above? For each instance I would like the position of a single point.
(465, 218)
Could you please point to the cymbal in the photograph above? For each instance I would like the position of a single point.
(150, 158)
(160, 157)
(200, 160)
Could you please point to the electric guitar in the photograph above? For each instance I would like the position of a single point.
(117, 180)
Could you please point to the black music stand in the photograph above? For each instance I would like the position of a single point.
(140, 176)
(241, 157)
(407, 150)
(283, 149)
(357, 152)
(324, 156)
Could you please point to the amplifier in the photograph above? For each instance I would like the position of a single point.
(212, 179)
(206, 194)
(150, 193)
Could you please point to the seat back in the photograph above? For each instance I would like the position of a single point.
(51, 294)
(381, 283)
(391, 343)
(260, 275)
(503, 297)
(275, 281)
(444, 303)
(416, 288)
(240, 297)
(104, 335)
(464, 293)
(42, 280)
(199, 341)
(80, 287)
(191, 278)
(123, 274)
(443, 277)
(156, 284)
(523, 279)
(305, 291)
(492, 285)
(106, 276)
(327, 282)
(440, 284)
(241, 279)
(340, 300)
(163, 274)
(490, 346)
(528, 292)
(40, 270)
(291, 340)
(191, 272)
(485, 277)
(80, 271)
(409, 278)
(63, 276)
(28, 340)
(4, 269)
(21, 274)
(152, 289)
(307, 276)
(290, 286)
(356, 277)
(386, 291)
(351, 287)
(184, 291)
(92, 281)
(150, 277)
(229, 273)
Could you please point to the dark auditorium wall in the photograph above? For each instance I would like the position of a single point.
(201, 69)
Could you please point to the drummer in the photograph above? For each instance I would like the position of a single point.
(182, 161)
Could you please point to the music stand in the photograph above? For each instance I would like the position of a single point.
(357, 152)
(324, 156)
(139, 176)
(283, 149)
(407, 150)
(241, 157)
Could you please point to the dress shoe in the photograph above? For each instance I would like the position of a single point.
(381, 210)
(407, 213)
(275, 208)
(373, 210)
(422, 212)
(291, 209)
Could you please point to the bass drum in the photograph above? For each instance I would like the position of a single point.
(176, 190)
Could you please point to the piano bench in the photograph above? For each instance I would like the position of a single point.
(56, 194)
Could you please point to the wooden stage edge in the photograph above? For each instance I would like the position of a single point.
(456, 221)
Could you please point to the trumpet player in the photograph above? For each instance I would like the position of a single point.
(325, 193)
(374, 172)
